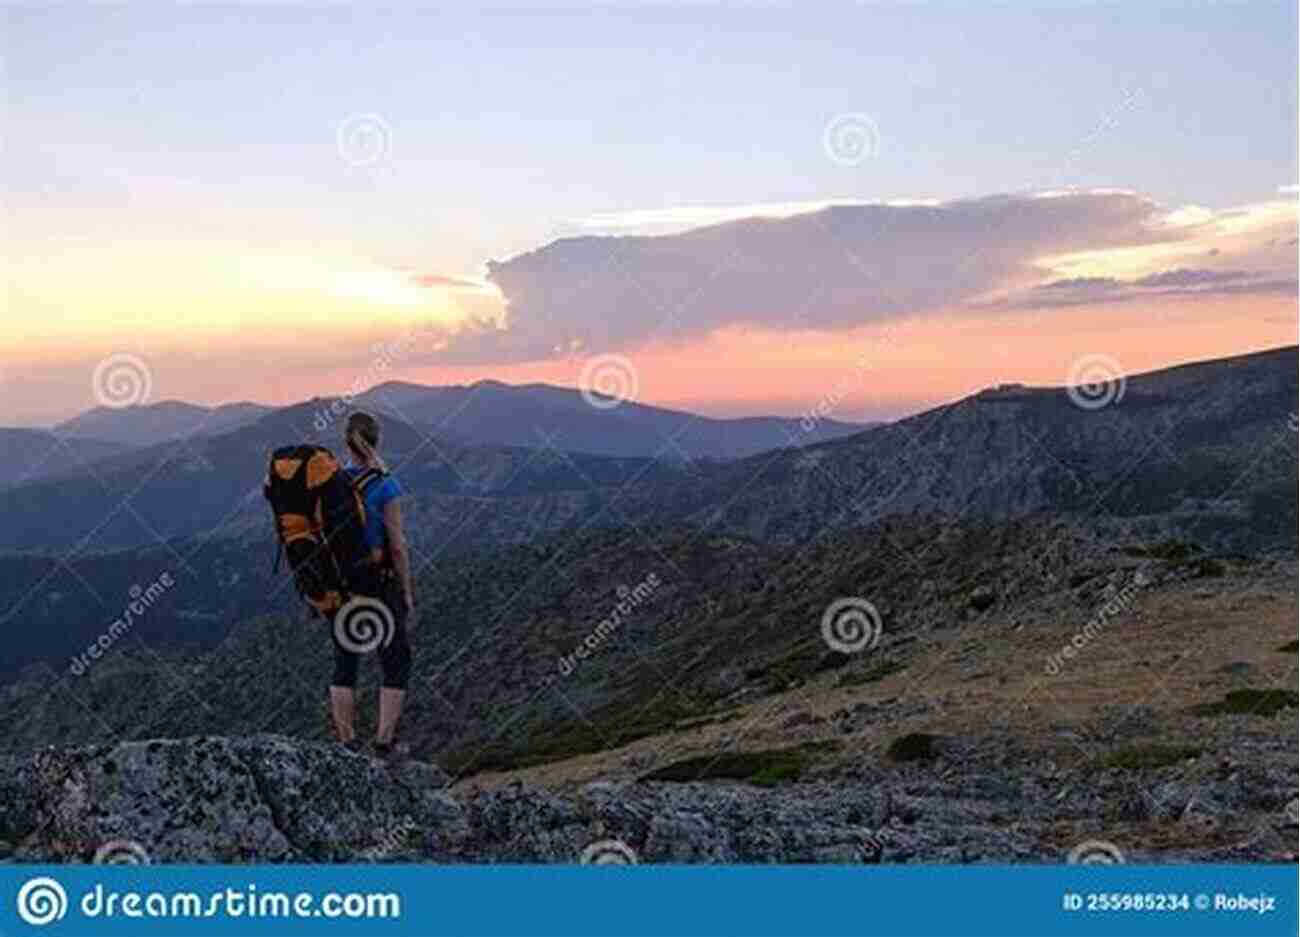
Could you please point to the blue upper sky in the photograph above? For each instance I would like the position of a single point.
(250, 198)
(506, 125)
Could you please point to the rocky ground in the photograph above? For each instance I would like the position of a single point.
(271, 799)
(1169, 735)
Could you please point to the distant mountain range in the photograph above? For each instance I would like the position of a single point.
(487, 413)
(1211, 441)
(157, 422)
(194, 486)
(30, 454)
(1204, 453)
(116, 478)
(1212, 444)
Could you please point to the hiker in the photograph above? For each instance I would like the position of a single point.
(383, 572)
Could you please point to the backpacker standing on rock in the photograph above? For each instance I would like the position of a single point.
(341, 529)
(383, 572)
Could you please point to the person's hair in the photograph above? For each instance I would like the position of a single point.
(366, 427)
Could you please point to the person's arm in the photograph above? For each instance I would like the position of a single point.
(397, 545)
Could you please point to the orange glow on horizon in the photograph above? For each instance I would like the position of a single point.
(887, 372)
(220, 322)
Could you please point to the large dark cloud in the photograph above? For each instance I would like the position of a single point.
(838, 268)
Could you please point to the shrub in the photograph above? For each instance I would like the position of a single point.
(871, 674)
(1153, 755)
(1250, 703)
(1210, 568)
(1172, 551)
(915, 746)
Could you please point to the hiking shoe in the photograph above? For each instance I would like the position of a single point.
(354, 746)
(392, 752)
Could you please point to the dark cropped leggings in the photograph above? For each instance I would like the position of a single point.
(395, 657)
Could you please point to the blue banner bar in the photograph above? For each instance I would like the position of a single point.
(651, 901)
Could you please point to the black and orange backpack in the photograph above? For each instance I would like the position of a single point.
(320, 517)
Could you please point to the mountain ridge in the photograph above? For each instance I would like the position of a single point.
(168, 420)
(1205, 455)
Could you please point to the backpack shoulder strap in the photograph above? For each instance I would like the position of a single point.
(366, 479)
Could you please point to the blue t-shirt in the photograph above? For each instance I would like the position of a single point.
(377, 497)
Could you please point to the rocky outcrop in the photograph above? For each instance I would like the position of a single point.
(271, 799)
(263, 798)
(268, 798)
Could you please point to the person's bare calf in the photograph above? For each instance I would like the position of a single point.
(343, 708)
(390, 711)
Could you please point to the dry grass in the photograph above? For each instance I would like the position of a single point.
(1167, 654)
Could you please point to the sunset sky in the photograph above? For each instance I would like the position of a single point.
(260, 202)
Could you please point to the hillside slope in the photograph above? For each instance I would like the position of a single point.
(962, 751)
(1205, 454)
(1211, 446)
(150, 424)
(183, 489)
(27, 455)
(492, 413)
